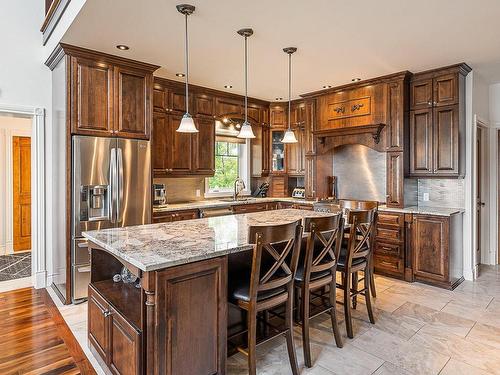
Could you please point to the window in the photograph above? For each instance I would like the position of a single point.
(231, 162)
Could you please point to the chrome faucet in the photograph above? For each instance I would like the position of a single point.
(239, 186)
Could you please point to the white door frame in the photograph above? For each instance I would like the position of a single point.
(38, 250)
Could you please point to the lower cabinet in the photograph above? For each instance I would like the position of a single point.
(255, 207)
(389, 249)
(168, 217)
(117, 342)
(437, 249)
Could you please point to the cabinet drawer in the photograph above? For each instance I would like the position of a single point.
(299, 206)
(394, 234)
(388, 264)
(394, 250)
(176, 216)
(247, 208)
(390, 219)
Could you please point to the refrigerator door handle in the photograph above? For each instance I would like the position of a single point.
(112, 182)
(119, 199)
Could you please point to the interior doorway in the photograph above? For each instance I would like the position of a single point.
(15, 197)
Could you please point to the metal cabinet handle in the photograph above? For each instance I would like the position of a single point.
(108, 313)
(429, 102)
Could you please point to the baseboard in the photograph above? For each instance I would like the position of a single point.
(40, 280)
(469, 274)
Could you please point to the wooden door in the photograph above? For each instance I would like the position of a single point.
(133, 106)
(204, 147)
(21, 160)
(191, 322)
(124, 346)
(445, 89)
(431, 247)
(180, 148)
(421, 142)
(92, 97)
(421, 94)
(159, 142)
(98, 328)
(445, 141)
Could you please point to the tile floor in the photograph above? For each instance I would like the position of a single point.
(419, 330)
(15, 266)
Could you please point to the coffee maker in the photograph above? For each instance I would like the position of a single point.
(159, 194)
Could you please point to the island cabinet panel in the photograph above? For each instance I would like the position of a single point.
(133, 103)
(190, 321)
(92, 94)
(98, 326)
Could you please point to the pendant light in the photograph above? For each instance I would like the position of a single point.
(246, 129)
(289, 136)
(187, 124)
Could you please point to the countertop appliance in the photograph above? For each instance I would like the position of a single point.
(299, 192)
(159, 194)
(111, 188)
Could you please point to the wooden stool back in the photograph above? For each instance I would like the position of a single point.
(361, 234)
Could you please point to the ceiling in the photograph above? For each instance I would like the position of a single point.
(337, 40)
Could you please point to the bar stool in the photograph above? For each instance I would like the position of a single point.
(355, 257)
(318, 270)
(362, 205)
(270, 283)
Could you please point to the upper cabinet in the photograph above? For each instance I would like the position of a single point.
(295, 152)
(437, 123)
(108, 95)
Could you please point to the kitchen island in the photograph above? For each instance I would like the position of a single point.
(175, 320)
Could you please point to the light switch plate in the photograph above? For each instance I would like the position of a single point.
(425, 197)
(198, 193)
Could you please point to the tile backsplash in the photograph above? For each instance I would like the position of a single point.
(183, 189)
(442, 192)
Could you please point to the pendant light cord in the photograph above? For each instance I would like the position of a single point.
(187, 67)
(246, 81)
(289, 87)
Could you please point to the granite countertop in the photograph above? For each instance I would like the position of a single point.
(424, 210)
(218, 203)
(156, 246)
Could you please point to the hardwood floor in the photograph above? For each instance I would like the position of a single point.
(35, 338)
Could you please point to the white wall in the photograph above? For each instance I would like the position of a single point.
(9, 127)
(494, 117)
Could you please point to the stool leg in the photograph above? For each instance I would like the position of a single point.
(333, 312)
(252, 341)
(347, 305)
(305, 326)
(289, 333)
(355, 289)
(372, 279)
(367, 296)
(298, 305)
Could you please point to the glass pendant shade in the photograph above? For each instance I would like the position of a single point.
(246, 131)
(187, 125)
(289, 137)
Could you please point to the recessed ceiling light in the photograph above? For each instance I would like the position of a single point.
(278, 99)
(123, 47)
(327, 86)
(356, 79)
(180, 74)
(228, 86)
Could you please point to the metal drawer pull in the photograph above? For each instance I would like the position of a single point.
(84, 269)
(83, 245)
(108, 313)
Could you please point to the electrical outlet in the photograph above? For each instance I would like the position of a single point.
(198, 193)
(425, 197)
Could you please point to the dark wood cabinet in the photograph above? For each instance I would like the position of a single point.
(278, 116)
(191, 318)
(389, 249)
(204, 147)
(253, 207)
(395, 179)
(437, 123)
(260, 151)
(170, 216)
(109, 96)
(204, 105)
(225, 107)
(92, 97)
(133, 91)
(278, 186)
(437, 249)
(160, 142)
(295, 152)
(117, 342)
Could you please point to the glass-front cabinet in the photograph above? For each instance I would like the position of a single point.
(277, 151)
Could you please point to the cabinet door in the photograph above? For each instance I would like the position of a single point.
(125, 347)
(160, 99)
(204, 105)
(278, 117)
(228, 107)
(421, 142)
(177, 101)
(396, 114)
(446, 89)
(421, 94)
(192, 331)
(254, 115)
(257, 146)
(430, 247)
(159, 142)
(446, 141)
(98, 326)
(186, 215)
(278, 150)
(293, 157)
(266, 159)
(133, 102)
(204, 147)
(395, 178)
(179, 152)
(92, 98)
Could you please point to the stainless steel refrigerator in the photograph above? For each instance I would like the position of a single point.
(111, 188)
